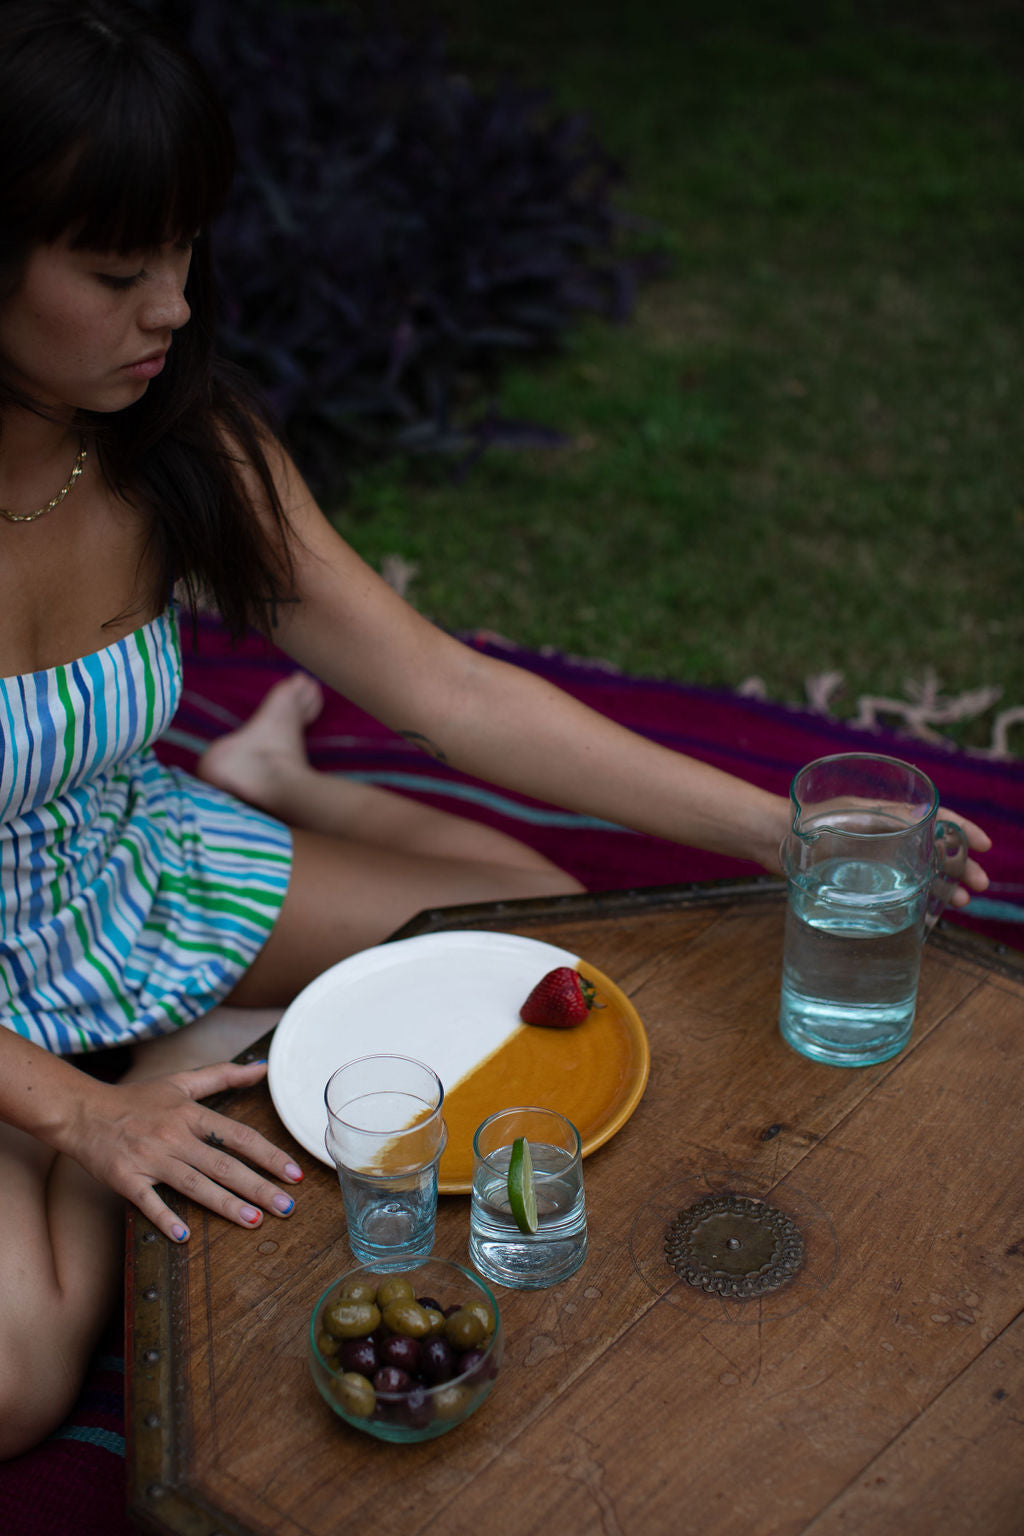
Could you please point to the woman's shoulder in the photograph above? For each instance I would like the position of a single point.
(272, 481)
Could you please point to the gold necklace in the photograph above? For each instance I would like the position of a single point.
(30, 517)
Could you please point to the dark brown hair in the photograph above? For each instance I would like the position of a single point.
(111, 134)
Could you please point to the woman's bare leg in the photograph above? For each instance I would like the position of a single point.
(345, 896)
(220, 1035)
(265, 763)
(365, 862)
(60, 1267)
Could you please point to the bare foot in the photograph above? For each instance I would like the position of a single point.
(264, 755)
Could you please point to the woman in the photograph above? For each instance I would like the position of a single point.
(136, 900)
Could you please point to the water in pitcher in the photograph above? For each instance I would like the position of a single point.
(854, 929)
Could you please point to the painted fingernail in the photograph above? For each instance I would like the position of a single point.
(292, 1172)
(283, 1203)
(179, 1233)
(250, 1215)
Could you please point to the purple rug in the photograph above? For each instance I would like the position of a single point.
(74, 1484)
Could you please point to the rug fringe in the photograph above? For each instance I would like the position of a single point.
(924, 708)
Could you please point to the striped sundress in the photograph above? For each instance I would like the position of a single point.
(132, 896)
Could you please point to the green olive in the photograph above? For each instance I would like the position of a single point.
(407, 1317)
(451, 1400)
(464, 1329)
(481, 1310)
(327, 1344)
(436, 1320)
(354, 1394)
(358, 1290)
(394, 1288)
(351, 1319)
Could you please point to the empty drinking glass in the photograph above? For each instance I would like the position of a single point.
(386, 1136)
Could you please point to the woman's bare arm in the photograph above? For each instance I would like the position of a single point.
(500, 722)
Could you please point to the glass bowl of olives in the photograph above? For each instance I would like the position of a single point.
(406, 1356)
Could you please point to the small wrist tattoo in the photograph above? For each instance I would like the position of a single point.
(425, 744)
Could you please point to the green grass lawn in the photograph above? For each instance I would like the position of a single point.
(805, 451)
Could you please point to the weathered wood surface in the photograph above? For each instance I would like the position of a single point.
(881, 1391)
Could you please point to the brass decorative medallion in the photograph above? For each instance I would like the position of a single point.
(729, 1245)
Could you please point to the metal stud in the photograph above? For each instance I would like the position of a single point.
(729, 1245)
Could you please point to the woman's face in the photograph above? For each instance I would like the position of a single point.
(87, 330)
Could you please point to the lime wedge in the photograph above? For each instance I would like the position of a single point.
(522, 1197)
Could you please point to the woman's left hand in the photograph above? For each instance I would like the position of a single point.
(974, 878)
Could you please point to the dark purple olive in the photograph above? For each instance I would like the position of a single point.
(416, 1409)
(389, 1378)
(436, 1361)
(428, 1304)
(358, 1355)
(469, 1363)
(401, 1351)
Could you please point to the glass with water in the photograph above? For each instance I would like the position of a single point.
(498, 1248)
(386, 1137)
(869, 869)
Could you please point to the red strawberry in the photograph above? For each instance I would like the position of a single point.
(560, 1000)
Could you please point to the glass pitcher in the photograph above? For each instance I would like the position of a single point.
(869, 868)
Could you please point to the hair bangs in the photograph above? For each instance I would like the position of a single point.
(148, 170)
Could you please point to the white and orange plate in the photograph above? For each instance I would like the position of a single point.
(452, 1000)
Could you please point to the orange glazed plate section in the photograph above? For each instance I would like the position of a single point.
(595, 1074)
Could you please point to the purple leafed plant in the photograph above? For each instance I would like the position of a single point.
(394, 234)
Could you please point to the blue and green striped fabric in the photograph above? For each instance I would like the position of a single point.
(132, 895)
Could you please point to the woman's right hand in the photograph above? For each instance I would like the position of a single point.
(133, 1136)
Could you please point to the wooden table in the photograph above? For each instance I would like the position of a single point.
(881, 1391)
